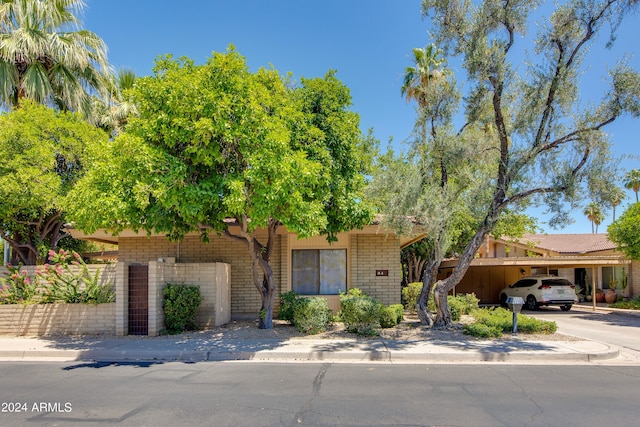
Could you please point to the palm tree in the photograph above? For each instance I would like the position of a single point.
(632, 181)
(111, 113)
(46, 57)
(420, 79)
(617, 196)
(425, 71)
(595, 215)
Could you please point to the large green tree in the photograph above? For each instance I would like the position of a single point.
(546, 144)
(42, 155)
(215, 142)
(45, 55)
(625, 232)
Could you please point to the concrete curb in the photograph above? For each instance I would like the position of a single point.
(318, 351)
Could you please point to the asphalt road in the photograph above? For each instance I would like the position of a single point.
(260, 394)
(622, 330)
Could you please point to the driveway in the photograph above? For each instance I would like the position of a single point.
(615, 328)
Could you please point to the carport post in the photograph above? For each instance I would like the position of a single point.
(593, 286)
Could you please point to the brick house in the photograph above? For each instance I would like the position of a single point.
(368, 259)
(583, 259)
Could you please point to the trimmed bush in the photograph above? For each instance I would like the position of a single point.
(410, 294)
(311, 315)
(462, 304)
(399, 309)
(354, 292)
(501, 319)
(288, 300)
(388, 317)
(361, 314)
(455, 308)
(482, 331)
(180, 306)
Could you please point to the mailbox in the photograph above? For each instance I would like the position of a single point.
(515, 304)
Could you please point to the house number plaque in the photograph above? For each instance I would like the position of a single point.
(382, 273)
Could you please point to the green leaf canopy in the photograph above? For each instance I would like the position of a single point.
(217, 141)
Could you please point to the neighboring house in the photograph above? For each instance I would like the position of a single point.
(584, 259)
(368, 259)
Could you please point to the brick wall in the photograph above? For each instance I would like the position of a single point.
(58, 319)
(245, 299)
(367, 253)
(371, 252)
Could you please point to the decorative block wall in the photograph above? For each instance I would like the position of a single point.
(58, 319)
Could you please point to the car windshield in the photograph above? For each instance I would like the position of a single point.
(556, 282)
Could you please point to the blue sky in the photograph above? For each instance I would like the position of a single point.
(368, 42)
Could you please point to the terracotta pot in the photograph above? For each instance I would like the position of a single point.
(610, 296)
(599, 297)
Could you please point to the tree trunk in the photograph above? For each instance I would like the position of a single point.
(260, 267)
(443, 315)
(267, 291)
(443, 318)
(422, 307)
(46, 231)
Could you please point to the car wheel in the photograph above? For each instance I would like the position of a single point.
(503, 300)
(532, 304)
(565, 307)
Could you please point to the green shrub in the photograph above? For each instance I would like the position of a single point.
(481, 330)
(633, 304)
(469, 301)
(360, 314)
(531, 325)
(354, 292)
(461, 304)
(410, 294)
(180, 306)
(311, 315)
(388, 317)
(502, 319)
(455, 308)
(399, 309)
(288, 300)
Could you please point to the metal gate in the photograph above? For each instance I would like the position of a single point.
(138, 300)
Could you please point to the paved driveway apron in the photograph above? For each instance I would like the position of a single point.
(615, 328)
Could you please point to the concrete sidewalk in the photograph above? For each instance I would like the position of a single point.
(167, 348)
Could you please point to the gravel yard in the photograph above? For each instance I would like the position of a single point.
(409, 330)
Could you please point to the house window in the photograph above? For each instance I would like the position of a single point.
(319, 271)
(612, 275)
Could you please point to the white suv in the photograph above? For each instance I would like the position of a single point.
(541, 290)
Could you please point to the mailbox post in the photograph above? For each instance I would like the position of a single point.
(515, 305)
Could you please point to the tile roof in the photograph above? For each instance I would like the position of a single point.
(570, 243)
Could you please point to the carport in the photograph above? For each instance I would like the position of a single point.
(487, 276)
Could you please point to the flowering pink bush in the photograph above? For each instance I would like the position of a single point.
(55, 282)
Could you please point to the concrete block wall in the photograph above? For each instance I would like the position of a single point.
(57, 319)
(371, 252)
(213, 279)
(245, 299)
